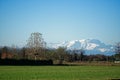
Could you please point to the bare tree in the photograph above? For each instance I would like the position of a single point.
(35, 46)
(61, 53)
(117, 51)
(4, 52)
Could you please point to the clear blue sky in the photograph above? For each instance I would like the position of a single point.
(59, 20)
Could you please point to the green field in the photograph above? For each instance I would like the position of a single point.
(59, 72)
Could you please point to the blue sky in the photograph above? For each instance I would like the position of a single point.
(59, 20)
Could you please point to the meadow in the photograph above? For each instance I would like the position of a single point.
(59, 72)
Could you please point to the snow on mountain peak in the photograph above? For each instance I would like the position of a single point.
(103, 49)
(74, 45)
(82, 40)
(91, 46)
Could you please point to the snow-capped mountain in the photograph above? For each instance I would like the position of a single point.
(91, 46)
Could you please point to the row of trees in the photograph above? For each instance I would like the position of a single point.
(36, 50)
(59, 55)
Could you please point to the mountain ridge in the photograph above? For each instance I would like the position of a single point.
(91, 46)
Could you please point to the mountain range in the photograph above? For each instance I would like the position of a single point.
(91, 46)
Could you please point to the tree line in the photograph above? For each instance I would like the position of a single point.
(36, 50)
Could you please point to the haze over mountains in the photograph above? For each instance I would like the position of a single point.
(91, 46)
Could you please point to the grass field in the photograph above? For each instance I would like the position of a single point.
(59, 72)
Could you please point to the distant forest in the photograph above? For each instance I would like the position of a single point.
(35, 50)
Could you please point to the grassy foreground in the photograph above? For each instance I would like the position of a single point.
(59, 72)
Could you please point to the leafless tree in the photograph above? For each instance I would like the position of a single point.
(35, 46)
(117, 51)
(61, 54)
